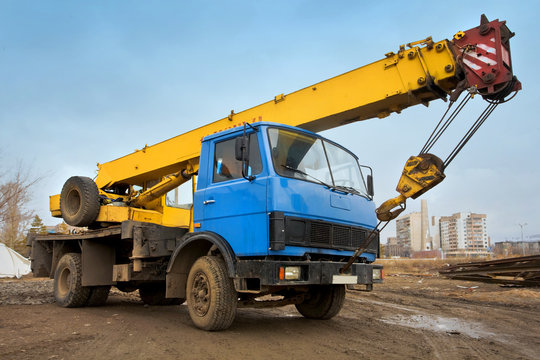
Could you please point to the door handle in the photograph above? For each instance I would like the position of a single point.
(206, 202)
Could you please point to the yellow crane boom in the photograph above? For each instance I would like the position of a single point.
(406, 78)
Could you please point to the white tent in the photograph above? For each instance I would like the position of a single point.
(12, 264)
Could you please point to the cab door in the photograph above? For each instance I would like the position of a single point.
(234, 207)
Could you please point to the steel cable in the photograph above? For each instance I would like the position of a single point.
(437, 132)
(479, 121)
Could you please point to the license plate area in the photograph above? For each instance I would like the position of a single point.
(344, 279)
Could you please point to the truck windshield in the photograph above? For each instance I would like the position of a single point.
(301, 156)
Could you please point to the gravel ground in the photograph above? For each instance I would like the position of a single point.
(407, 317)
(26, 292)
(36, 291)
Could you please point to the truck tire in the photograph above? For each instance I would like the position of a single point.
(98, 295)
(127, 288)
(324, 302)
(68, 290)
(79, 201)
(154, 294)
(211, 297)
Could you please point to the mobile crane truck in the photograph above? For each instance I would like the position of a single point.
(279, 214)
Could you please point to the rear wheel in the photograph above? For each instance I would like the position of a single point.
(154, 294)
(127, 288)
(211, 297)
(324, 302)
(98, 295)
(68, 290)
(79, 201)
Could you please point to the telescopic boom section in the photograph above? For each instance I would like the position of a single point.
(406, 78)
(409, 77)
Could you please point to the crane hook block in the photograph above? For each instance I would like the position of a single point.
(420, 174)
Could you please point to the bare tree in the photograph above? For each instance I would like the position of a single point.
(14, 215)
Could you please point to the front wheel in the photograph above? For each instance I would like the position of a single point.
(211, 297)
(324, 302)
(68, 290)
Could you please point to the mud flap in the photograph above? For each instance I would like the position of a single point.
(97, 263)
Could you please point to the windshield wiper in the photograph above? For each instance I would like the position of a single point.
(306, 174)
(343, 189)
(348, 189)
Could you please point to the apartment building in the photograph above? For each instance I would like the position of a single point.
(412, 232)
(464, 234)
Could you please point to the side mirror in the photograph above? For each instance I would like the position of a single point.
(240, 148)
(370, 190)
(241, 152)
(369, 181)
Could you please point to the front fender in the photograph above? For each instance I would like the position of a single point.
(199, 244)
(191, 247)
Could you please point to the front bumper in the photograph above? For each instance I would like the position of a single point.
(311, 272)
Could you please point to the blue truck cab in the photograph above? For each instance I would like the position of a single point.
(291, 202)
(278, 211)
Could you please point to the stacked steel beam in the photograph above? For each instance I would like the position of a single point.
(523, 271)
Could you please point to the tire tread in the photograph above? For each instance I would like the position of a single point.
(154, 294)
(77, 295)
(89, 201)
(221, 314)
(98, 295)
(327, 302)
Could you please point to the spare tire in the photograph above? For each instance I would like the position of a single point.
(79, 201)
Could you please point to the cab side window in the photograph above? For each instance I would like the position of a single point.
(226, 167)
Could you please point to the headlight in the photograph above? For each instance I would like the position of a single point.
(289, 273)
(377, 274)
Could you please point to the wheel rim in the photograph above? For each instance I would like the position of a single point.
(64, 282)
(73, 202)
(200, 294)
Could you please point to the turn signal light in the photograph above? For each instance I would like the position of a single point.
(281, 273)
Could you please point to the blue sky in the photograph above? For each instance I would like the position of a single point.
(82, 83)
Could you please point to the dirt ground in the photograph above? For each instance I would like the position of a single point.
(407, 317)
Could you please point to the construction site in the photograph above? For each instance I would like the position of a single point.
(180, 230)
